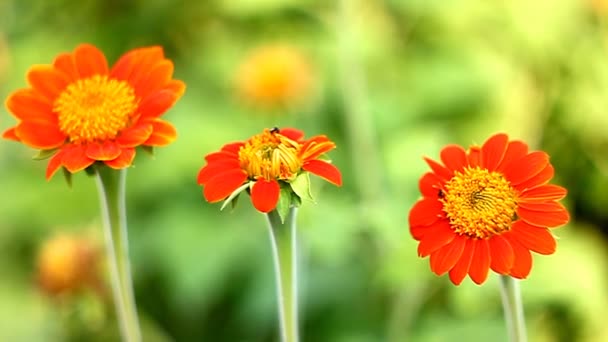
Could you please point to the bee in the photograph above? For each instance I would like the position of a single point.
(441, 194)
(275, 130)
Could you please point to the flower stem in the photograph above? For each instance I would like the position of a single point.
(513, 308)
(111, 185)
(283, 240)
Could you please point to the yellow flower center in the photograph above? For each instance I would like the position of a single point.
(479, 203)
(270, 156)
(95, 108)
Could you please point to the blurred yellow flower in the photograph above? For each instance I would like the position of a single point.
(67, 264)
(274, 76)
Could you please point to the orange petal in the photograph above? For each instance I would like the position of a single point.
(515, 150)
(90, 61)
(501, 254)
(439, 169)
(136, 63)
(75, 159)
(125, 159)
(54, 164)
(437, 236)
(65, 63)
(533, 238)
(425, 212)
(314, 148)
(522, 263)
(213, 169)
(26, 105)
(541, 178)
(157, 104)
(233, 147)
(10, 134)
(555, 216)
(265, 195)
(460, 270)
(324, 170)
(493, 150)
(176, 86)
(135, 136)
(527, 167)
(447, 256)
(40, 135)
(164, 133)
(454, 157)
(156, 79)
(480, 265)
(543, 193)
(430, 185)
(222, 185)
(108, 150)
(292, 133)
(47, 81)
(474, 156)
(222, 155)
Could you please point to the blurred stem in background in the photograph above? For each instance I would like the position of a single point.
(111, 185)
(513, 308)
(283, 240)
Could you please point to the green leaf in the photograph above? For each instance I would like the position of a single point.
(234, 194)
(284, 203)
(301, 186)
(68, 176)
(44, 154)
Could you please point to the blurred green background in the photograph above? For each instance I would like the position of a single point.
(390, 81)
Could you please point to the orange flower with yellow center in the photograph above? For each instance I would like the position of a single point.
(487, 208)
(264, 164)
(82, 111)
(274, 76)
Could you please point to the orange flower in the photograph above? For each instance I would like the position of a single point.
(264, 164)
(274, 76)
(82, 111)
(487, 208)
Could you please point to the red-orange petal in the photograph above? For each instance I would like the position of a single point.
(324, 170)
(429, 185)
(213, 169)
(265, 195)
(157, 104)
(107, 150)
(461, 269)
(515, 150)
(425, 212)
(447, 256)
(555, 215)
(522, 263)
(439, 169)
(160, 74)
(223, 184)
(10, 134)
(454, 157)
(26, 105)
(54, 164)
(135, 64)
(163, 134)
(536, 239)
(437, 236)
(176, 86)
(527, 167)
(75, 159)
(292, 133)
(480, 265)
(493, 150)
(233, 147)
(541, 178)
(474, 156)
(221, 155)
(65, 63)
(40, 135)
(135, 136)
(47, 81)
(501, 254)
(125, 159)
(543, 193)
(90, 61)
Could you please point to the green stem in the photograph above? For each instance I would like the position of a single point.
(283, 240)
(513, 308)
(111, 185)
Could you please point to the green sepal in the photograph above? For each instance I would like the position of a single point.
(296, 201)
(284, 202)
(148, 149)
(301, 186)
(44, 154)
(90, 171)
(67, 175)
(234, 195)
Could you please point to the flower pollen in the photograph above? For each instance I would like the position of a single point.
(95, 108)
(270, 155)
(479, 203)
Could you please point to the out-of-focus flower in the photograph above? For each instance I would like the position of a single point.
(275, 77)
(67, 264)
(266, 164)
(487, 208)
(80, 111)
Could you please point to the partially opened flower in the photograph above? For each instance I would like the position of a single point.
(79, 110)
(265, 164)
(487, 208)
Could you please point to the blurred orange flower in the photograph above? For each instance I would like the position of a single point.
(81, 111)
(265, 163)
(487, 208)
(67, 263)
(274, 76)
